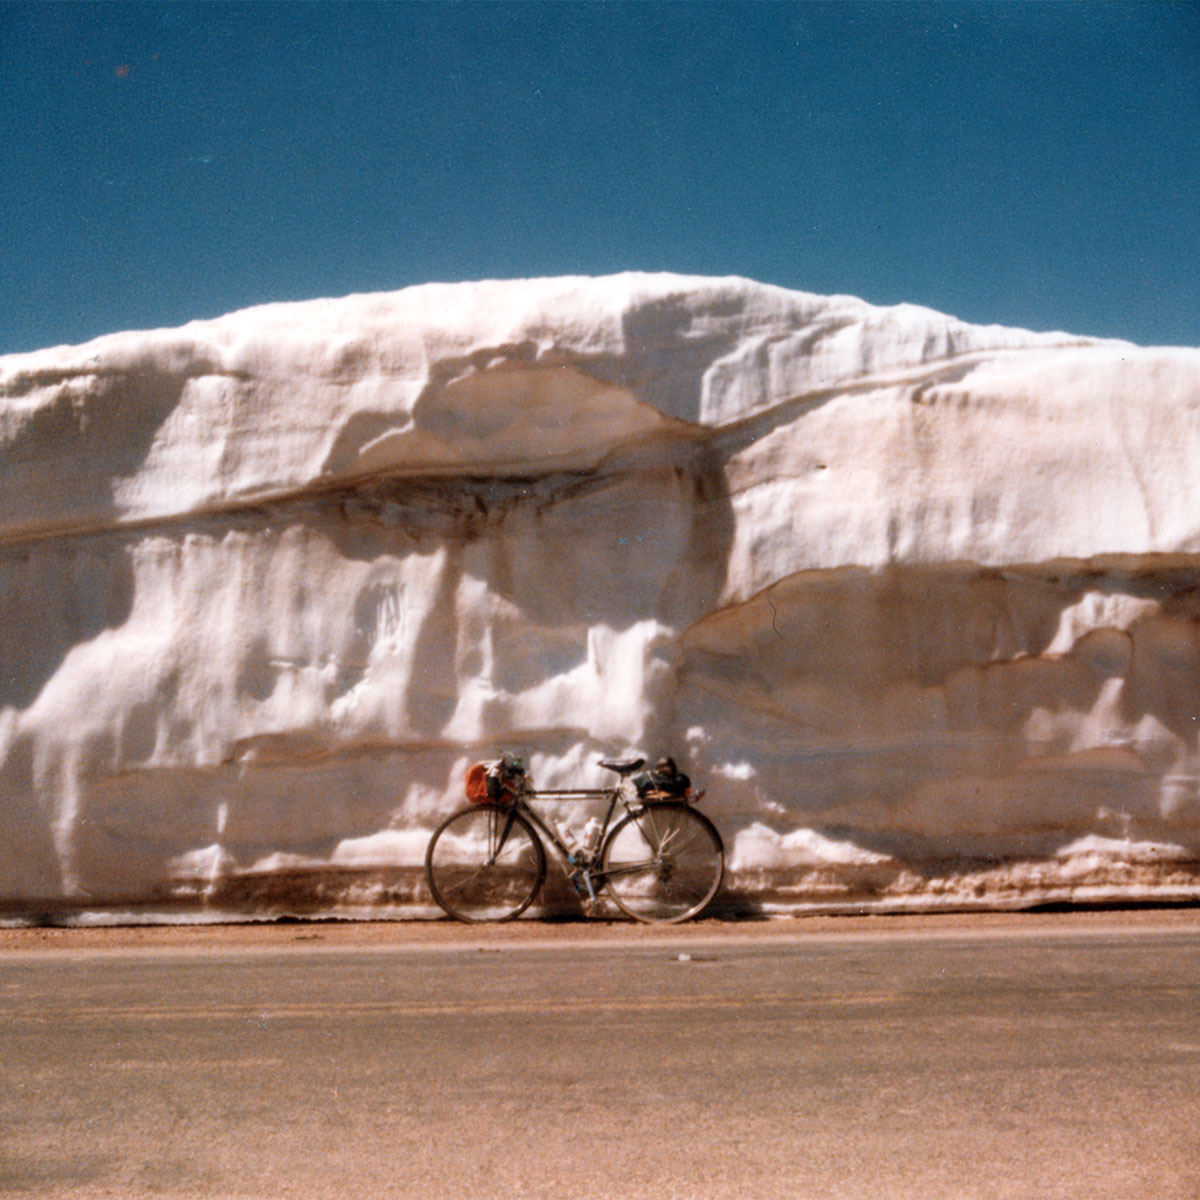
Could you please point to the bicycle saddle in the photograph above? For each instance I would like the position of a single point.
(623, 766)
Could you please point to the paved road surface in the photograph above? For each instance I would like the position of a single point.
(1028, 1057)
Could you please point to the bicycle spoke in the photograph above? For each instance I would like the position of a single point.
(678, 840)
(630, 868)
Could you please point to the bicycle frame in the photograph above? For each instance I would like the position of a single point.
(583, 861)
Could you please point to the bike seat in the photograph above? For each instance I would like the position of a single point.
(623, 766)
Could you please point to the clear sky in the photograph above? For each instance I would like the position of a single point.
(1028, 164)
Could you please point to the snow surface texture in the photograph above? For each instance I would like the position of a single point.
(917, 601)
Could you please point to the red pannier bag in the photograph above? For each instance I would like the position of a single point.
(477, 790)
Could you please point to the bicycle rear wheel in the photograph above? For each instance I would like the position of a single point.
(663, 862)
(485, 863)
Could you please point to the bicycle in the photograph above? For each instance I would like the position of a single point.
(660, 861)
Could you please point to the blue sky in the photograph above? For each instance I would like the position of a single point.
(1033, 165)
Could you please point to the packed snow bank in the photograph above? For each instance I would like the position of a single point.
(917, 601)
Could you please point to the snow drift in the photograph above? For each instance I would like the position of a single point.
(917, 601)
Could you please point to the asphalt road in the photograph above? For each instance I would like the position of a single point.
(1028, 1057)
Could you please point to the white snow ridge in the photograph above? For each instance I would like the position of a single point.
(917, 601)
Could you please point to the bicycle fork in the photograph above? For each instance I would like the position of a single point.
(498, 842)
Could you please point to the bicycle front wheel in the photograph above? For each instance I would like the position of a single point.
(663, 862)
(485, 863)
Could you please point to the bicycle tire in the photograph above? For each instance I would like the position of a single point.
(474, 880)
(663, 863)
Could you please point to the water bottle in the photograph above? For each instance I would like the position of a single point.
(591, 835)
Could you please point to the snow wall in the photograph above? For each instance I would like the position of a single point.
(918, 602)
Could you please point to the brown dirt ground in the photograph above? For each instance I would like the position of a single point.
(418, 935)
